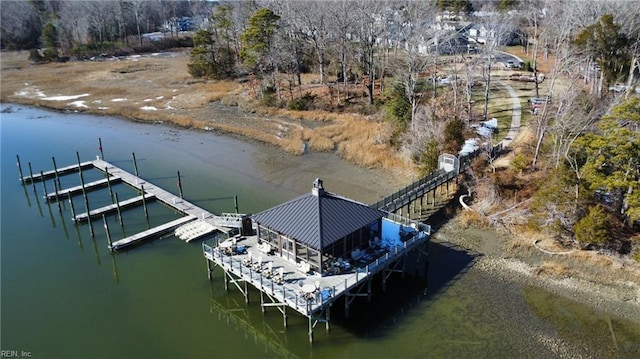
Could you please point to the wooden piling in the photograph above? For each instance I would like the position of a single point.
(135, 163)
(44, 184)
(235, 203)
(55, 170)
(84, 194)
(100, 148)
(20, 169)
(144, 203)
(106, 170)
(73, 209)
(119, 213)
(31, 176)
(56, 188)
(180, 185)
(106, 228)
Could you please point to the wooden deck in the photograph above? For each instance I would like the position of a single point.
(290, 292)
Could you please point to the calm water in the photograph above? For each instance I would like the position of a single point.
(64, 295)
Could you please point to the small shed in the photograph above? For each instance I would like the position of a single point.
(318, 228)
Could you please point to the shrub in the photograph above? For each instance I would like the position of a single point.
(303, 103)
(592, 229)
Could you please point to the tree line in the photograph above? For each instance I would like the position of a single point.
(414, 63)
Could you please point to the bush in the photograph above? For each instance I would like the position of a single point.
(34, 55)
(303, 103)
(592, 229)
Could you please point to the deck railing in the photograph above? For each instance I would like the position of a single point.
(291, 294)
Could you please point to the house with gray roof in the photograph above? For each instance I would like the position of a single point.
(318, 228)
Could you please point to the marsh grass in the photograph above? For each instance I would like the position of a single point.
(164, 83)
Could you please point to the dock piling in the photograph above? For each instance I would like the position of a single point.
(106, 170)
(135, 163)
(100, 148)
(119, 213)
(106, 228)
(20, 169)
(44, 184)
(55, 170)
(180, 185)
(31, 177)
(55, 187)
(84, 194)
(144, 204)
(73, 209)
(235, 202)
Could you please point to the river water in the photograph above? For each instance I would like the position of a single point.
(64, 295)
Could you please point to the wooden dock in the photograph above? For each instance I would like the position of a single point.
(113, 207)
(78, 189)
(190, 211)
(58, 172)
(149, 233)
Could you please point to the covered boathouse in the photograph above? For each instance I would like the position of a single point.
(309, 251)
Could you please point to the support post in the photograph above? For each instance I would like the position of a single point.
(55, 187)
(327, 318)
(20, 169)
(106, 170)
(55, 170)
(84, 194)
(44, 185)
(119, 213)
(310, 330)
(144, 203)
(226, 280)
(100, 148)
(31, 176)
(135, 163)
(106, 228)
(73, 210)
(284, 315)
(209, 270)
(180, 185)
(235, 202)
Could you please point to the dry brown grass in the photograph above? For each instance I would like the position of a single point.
(553, 269)
(472, 219)
(164, 83)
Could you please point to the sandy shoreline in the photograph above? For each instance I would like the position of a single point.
(613, 289)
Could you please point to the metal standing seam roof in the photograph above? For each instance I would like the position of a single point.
(318, 220)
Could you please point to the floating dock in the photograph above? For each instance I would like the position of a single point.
(57, 172)
(113, 207)
(67, 192)
(153, 232)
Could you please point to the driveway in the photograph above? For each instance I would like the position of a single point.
(516, 116)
